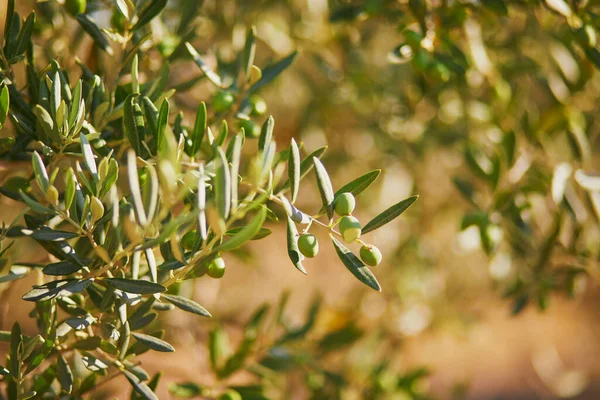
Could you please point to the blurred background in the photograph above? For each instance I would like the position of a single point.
(487, 110)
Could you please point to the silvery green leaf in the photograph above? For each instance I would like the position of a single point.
(272, 71)
(202, 202)
(247, 232)
(199, 128)
(235, 167)
(4, 104)
(294, 170)
(266, 133)
(292, 246)
(355, 266)
(39, 170)
(150, 195)
(61, 268)
(186, 304)
(249, 52)
(133, 120)
(325, 188)
(134, 185)
(93, 364)
(149, 12)
(360, 184)
(306, 165)
(64, 374)
(90, 26)
(88, 156)
(389, 214)
(222, 185)
(140, 387)
(135, 286)
(154, 343)
(210, 74)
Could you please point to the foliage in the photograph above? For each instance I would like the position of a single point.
(128, 200)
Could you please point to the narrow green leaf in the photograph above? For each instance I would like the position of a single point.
(52, 289)
(235, 167)
(10, 11)
(35, 206)
(64, 375)
(325, 188)
(389, 214)
(4, 104)
(210, 74)
(262, 233)
(149, 12)
(46, 122)
(222, 185)
(266, 133)
(186, 304)
(306, 166)
(61, 268)
(355, 266)
(294, 170)
(88, 156)
(24, 37)
(162, 123)
(135, 286)
(155, 344)
(39, 170)
(360, 184)
(70, 183)
(201, 197)
(89, 25)
(292, 246)
(272, 71)
(75, 103)
(133, 119)
(56, 97)
(47, 234)
(249, 52)
(140, 387)
(151, 260)
(134, 185)
(150, 194)
(135, 75)
(247, 232)
(199, 129)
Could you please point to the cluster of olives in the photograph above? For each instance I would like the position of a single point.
(224, 100)
(350, 230)
(216, 267)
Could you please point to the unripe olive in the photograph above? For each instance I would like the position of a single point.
(216, 268)
(257, 105)
(251, 128)
(308, 245)
(230, 394)
(370, 255)
(349, 228)
(75, 7)
(223, 100)
(344, 204)
(189, 239)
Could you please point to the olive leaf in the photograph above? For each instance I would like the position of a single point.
(266, 133)
(305, 166)
(210, 74)
(153, 343)
(360, 184)
(133, 120)
(135, 286)
(294, 170)
(134, 185)
(389, 214)
(292, 246)
(249, 52)
(354, 265)
(325, 188)
(140, 387)
(199, 128)
(222, 185)
(90, 26)
(247, 232)
(186, 304)
(272, 71)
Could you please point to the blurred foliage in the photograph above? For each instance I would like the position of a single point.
(487, 109)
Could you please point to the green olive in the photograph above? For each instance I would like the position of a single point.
(308, 245)
(223, 100)
(370, 255)
(350, 228)
(216, 268)
(188, 241)
(344, 204)
(257, 105)
(75, 7)
(230, 394)
(251, 128)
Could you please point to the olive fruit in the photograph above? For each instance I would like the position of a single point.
(308, 245)
(230, 394)
(216, 268)
(189, 239)
(257, 105)
(223, 100)
(75, 7)
(251, 128)
(344, 204)
(370, 255)
(349, 228)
